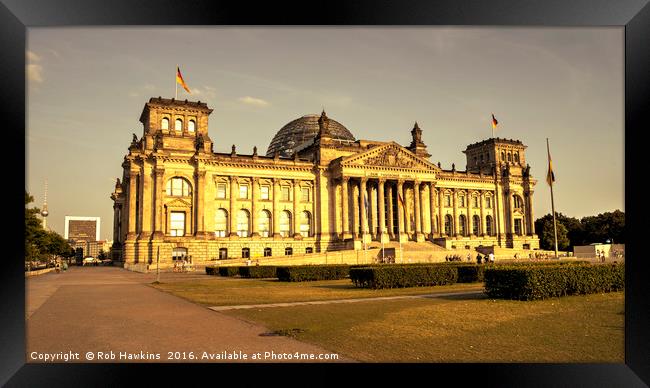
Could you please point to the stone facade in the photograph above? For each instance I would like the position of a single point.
(179, 198)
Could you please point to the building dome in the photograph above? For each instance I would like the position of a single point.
(302, 130)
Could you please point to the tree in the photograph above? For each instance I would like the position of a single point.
(588, 230)
(41, 243)
(544, 228)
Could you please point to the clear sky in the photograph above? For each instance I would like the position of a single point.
(87, 88)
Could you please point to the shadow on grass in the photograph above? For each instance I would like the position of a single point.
(474, 295)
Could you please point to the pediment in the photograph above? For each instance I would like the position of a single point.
(389, 155)
(179, 202)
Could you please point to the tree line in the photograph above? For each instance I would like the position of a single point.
(603, 228)
(41, 244)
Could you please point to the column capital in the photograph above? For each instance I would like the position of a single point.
(159, 171)
(416, 182)
(234, 178)
(381, 180)
(400, 182)
(364, 179)
(255, 180)
(345, 179)
(296, 182)
(198, 173)
(276, 181)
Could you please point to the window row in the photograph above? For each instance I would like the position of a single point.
(264, 223)
(265, 192)
(463, 227)
(510, 157)
(268, 252)
(178, 125)
(462, 203)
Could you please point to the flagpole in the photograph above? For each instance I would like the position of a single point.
(176, 84)
(552, 201)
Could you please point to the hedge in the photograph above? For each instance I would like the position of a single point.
(258, 271)
(403, 276)
(312, 272)
(228, 271)
(532, 283)
(211, 270)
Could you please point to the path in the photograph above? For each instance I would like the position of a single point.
(107, 309)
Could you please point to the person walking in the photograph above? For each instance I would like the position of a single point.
(469, 257)
(491, 256)
(478, 258)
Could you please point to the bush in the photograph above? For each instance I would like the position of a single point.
(211, 270)
(470, 273)
(403, 276)
(258, 271)
(540, 282)
(228, 271)
(312, 272)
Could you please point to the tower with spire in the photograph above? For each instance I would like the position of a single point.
(44, 212)
(417, 146)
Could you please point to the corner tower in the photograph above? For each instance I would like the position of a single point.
(175, 124)
(495, 152)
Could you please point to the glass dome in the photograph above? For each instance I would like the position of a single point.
(303, 130)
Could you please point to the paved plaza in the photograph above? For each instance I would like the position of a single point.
(116, 312)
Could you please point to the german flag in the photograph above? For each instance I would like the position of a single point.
(179, 79)
(494, 122)
(550, 176)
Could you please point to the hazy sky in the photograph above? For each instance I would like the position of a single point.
(87, 88)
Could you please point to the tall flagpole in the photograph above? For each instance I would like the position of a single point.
(176, 84)
(550, 182)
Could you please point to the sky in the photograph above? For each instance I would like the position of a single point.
(86, 88)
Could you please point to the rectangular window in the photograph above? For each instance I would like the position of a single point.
(264, 192)
(286, 193)
(243, 191)
(223, 253)
(305, 194)
(448, 200)
(177, 224)
(288, 251)
(221, 190)
(518, 226)
(488, 202)
(245, 253)
(461, 201)
(309, 250)
(267, 252)
(476, 202)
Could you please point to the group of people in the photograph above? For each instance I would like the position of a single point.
(600, 255)
(488, 259)
(183, 265)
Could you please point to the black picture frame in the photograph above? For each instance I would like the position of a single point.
(16, 16)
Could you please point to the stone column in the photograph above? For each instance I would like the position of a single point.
(355, 209)
(373, 210)
(391, 226)
(254, 205)
(470, 216)
(296, 217)
(145, 202)
(233, 204)
(276, 208)
(345, 217)
(512, 213)
(441, 224)
(481, 193)
(133, 176)
(531, 219)
(455, 198)
(383, 235)
(158, 208)
(364, 215)
(200, 203)
(401, 211)
(419, 237)
(432, 209)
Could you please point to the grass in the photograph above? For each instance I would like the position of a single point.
(587, 328)
(228, 292)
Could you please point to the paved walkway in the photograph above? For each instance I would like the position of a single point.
(316, 302)
(107, 309)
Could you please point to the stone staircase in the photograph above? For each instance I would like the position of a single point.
(409, 246)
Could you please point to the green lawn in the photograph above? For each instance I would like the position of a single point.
(586, 328)
(228, 291)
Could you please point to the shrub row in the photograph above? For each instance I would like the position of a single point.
(258, 271)
(211, 270)
(312, 272)
(540, 282)
(228, 271)
(403, 276)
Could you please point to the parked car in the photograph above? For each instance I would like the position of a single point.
(90, 261)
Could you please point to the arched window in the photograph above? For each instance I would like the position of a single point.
(221, 223)
(488, 225)
(462, 225)
(245, 253)
(179, 253)
(503, 156)
(305, 224)
(178, 187)
(285, 223)
(178, 125)
(516, 201)
(448, 225)
(164, 124)
(265, 223)
(516, 157)
(243, 223)
(191, 126)
(476, 225)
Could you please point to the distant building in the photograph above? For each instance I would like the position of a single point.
(83, 234)
(589, 251)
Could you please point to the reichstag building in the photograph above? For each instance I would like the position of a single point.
(315, 189)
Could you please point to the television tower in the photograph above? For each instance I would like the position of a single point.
(44, 212)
